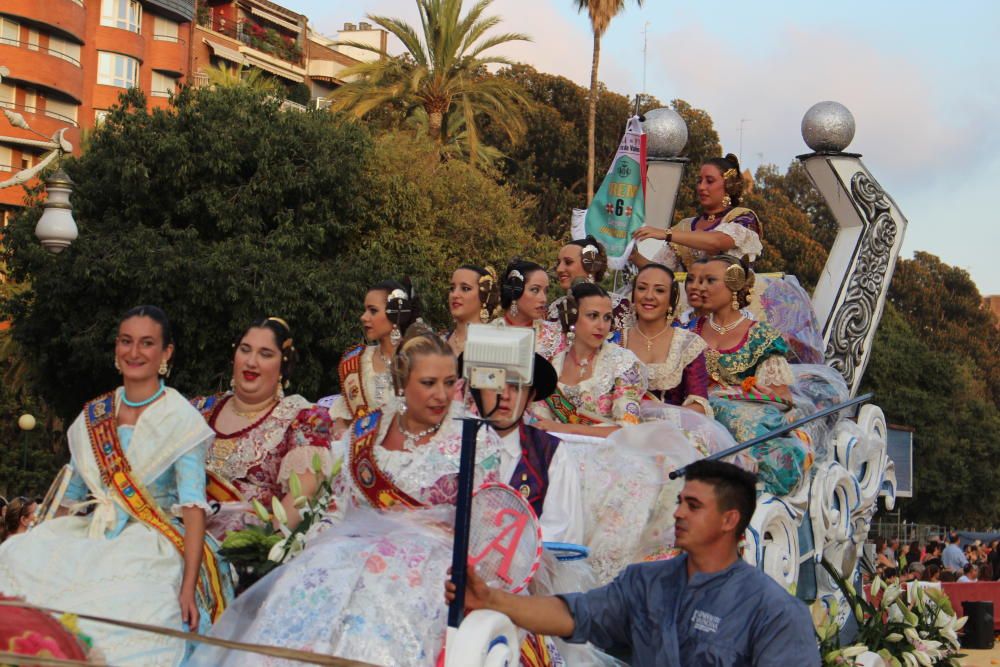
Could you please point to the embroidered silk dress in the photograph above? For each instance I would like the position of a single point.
(258, 460)
(783, 461)
(681, 378)
(609, 395)
(369, 586)
(362, 389)
(738, 223)
(107, 563)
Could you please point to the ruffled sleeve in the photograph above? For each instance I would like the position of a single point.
(630, 385)
(666, 256)
(189, 475)
(743, 235)
(339, 409)
(309, 435)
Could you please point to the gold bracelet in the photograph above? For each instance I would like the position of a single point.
(670, 236)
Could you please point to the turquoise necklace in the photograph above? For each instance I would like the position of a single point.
(142, 404)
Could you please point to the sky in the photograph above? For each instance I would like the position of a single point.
(920, 79)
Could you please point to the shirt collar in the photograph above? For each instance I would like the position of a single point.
(704, 578)
(512, 443)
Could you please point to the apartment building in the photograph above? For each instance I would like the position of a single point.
(68, 60)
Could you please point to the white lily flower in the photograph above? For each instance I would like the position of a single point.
(924, 659)
(295, 485)
(912, 636)
(960, 623)
(854, 651)
(910, 659)
(261, 511)
(277, 551)
(279, 510)
(894, 637)
(876, 586)
(300, 502)
(891, 595)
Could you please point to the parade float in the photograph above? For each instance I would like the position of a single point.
(813, 536)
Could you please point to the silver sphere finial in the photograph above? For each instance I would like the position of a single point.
(666, 133)
(828, 126)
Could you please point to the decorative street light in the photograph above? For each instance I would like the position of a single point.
(56, 229)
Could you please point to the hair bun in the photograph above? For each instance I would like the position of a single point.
(733, 160)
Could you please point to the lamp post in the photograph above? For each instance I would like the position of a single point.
(56, 229)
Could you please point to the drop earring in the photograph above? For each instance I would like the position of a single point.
(727, 201)
(513, 309)
(484, 315)
(117, 367)
(571, 335)
(736, 302)
(279, 393)
(395, 336)
(164, 369)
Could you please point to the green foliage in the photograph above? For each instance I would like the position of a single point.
(442, 71)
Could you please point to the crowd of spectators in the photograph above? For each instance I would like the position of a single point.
(940, 560)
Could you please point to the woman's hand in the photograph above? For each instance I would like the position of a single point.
(189, 608)
(647, 232)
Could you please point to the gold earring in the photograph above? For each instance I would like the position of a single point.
(727, 201)
(117, 366)
(164, 369)
(279, 393)
(484, 314)
(736, 301)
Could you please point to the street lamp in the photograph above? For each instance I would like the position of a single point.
(56, 229)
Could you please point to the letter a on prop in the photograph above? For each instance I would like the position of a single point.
(513, 531)
(619, 207)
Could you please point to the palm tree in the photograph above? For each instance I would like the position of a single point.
(601, 12)
(441, 72)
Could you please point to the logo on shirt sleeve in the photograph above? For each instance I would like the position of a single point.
(705, 622)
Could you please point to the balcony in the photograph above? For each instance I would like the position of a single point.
(266, 40)
(43, 67)
(68, 16)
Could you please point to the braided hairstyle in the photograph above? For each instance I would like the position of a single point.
(739, 278)
(404, 308)
(489, 287)
(419, 340)
(513, 280)
(593, 256)
(569, 308)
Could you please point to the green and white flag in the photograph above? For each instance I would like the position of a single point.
(619, 206)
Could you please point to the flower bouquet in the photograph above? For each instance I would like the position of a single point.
(896, 627)
(256, 550)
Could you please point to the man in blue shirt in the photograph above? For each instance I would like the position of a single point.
(952, 558)
(704, 608)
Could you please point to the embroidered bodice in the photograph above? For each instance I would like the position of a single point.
(549, 337)
(740, 224)
(612, 392)
(684, 349)
(429, 472)
(760, 353)
(377, 388)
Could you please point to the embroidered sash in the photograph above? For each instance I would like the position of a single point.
(566, 412)
(535, 652)
(378, 489)
(217, 488)
(116, 473)
(352, 384)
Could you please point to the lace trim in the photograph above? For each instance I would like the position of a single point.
(176, 508)
(730, 366)
(775, 371)
(591, 395)
(684, 348)
(694, 399)
(747, 241)
(299, 461)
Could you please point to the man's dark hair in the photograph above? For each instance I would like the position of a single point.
(735, 488)
(953, 538)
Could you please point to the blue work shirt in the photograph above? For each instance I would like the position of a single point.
(738, 616)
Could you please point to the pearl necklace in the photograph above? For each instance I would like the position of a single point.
(723, 330)
(142, 404)
(410, 439)
(650, 339)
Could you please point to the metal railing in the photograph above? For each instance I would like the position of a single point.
(38, 110)
(237, 30)
(35, 47)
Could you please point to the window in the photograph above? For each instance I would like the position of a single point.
(6, 158)
(10, 31)
(7, 92)
(100, 115)
(32, 39)
(114, 69)
(163, 84)
(30, 101)
(124, 14)
(165, 30)
(65, 49)
(64, 111)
